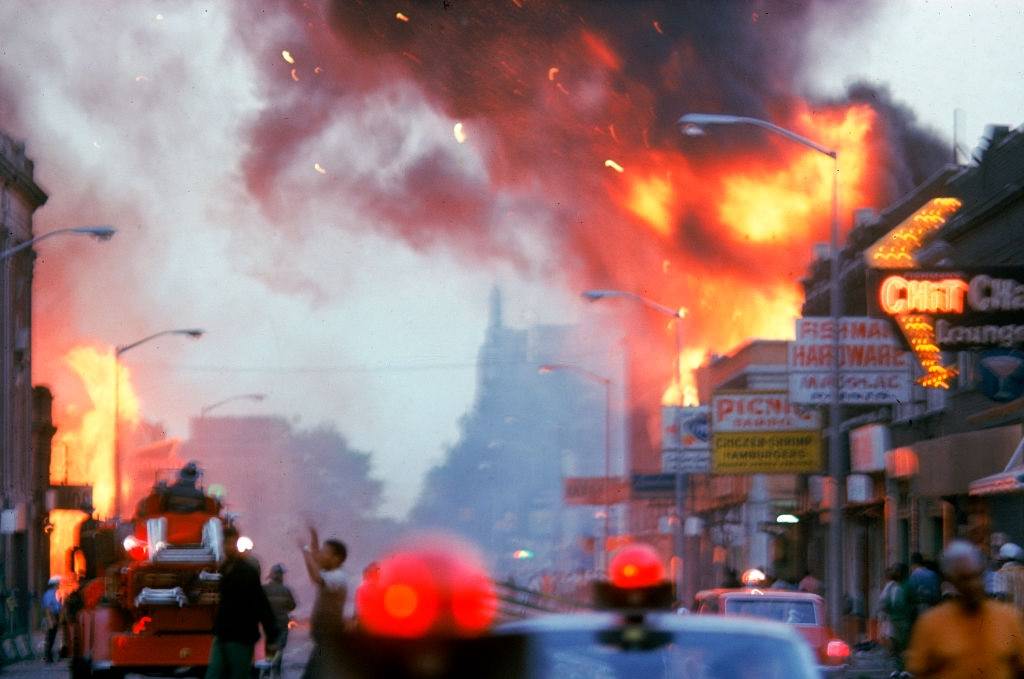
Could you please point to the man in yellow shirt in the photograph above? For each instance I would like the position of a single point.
(970, 636)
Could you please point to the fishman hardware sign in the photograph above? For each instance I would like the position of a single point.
(940, 310)
(874, 367)
(761, 432)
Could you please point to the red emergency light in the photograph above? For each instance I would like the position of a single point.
(436, 589)
(636, 566)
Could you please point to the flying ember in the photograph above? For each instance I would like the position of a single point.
(287, 56)
(613, 165)
(460, 133)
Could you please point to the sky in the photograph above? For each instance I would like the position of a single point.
(134, 116)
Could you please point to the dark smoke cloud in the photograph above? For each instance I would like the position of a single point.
(626, 70)
(550, 90)
(631, 67)
(922, 150)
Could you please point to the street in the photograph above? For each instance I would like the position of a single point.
(295, 656)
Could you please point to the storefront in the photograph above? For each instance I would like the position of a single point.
(940, 502)
(999, 498)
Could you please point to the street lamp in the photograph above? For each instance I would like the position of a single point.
(680, 481)
(97, 232)
(239, 397)
(607, 384)
(693, 124)
(194, 333)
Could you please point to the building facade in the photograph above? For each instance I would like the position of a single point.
(942, 464)
(22, 516)
(738, 512)
(529, 433)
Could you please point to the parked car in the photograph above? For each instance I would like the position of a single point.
(800, 610)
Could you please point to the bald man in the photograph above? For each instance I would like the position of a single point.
(969, 636)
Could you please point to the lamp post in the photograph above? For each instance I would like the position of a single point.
(99, 232)
(194, 333)
(693, 124)
(607, 384)
(680, 478)
(238, 397)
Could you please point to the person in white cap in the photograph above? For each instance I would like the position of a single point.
(1009, 585)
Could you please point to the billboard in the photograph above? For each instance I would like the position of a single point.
(595, 490)
(653, 486)
(762, 432)
(874, 367)
(868, 445)
(685, 439)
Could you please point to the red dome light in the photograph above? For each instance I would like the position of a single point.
(436, 587)
(636, 566)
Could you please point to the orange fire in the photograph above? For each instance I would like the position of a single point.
(761, 204)
(771, 207)
(82, 452)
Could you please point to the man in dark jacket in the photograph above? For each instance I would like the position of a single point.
(282, 603)
(243, 608)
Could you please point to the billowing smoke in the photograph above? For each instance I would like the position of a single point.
(251, 156)
(572, 110)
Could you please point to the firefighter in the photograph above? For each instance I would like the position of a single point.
(282, 602)
(243, 608)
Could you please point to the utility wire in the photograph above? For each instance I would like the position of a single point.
(395, 367)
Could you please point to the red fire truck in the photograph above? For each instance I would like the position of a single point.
(148, 589)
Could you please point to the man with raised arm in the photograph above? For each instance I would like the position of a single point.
(327, 623)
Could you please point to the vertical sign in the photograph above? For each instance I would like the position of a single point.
(685, 439)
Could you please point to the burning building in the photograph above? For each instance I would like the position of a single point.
(21, 492)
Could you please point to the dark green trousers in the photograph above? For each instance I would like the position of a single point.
(230, 660)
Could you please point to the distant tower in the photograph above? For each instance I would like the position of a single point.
(496, 321)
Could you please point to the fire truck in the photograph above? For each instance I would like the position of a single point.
(148, 588)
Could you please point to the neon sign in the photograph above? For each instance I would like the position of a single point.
(922, 294)
(901, 296)
(949, 309)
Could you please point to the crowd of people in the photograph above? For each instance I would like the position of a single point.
(966, 622)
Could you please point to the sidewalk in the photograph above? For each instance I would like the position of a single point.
(873, 664)
(30, 669)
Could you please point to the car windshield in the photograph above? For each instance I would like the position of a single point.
(792, 612)
(697, 655)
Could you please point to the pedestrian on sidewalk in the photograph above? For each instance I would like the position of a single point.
(810, 584)
(51, 612)
(324, 564)
(242, 609)
(924, 584)
(996, 542)
(969, 635)
(282, 603)
(1009, 584)
(896, 612)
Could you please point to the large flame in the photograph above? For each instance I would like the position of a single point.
(774, 206)
(83, 448)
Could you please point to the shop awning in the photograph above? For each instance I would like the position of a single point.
(948, 464)
(1010, 480)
